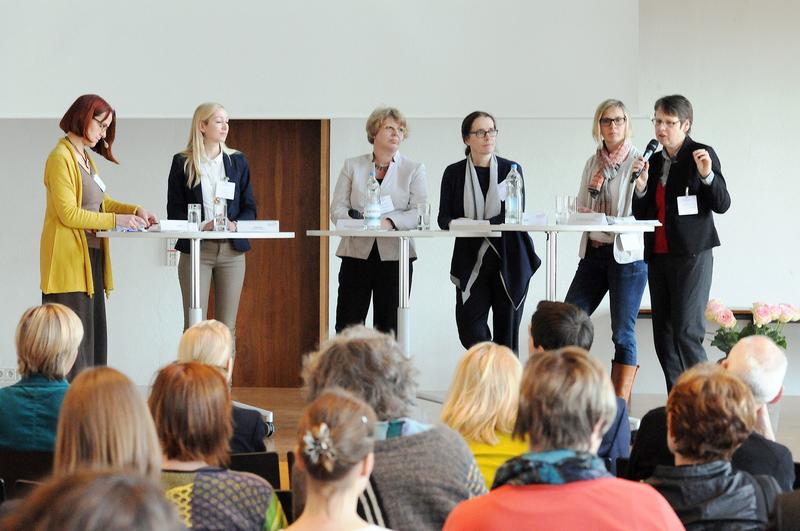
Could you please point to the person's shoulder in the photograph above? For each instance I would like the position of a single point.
(456, 167)
(506, 163)
(756, 442)
(406, 162)
(472, 513)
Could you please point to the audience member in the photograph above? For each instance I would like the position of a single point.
(95, 500)
(710, 412)
(566, 403)
(421, 471)
(211, 342)
(556, 325)
(482, 405)
(104, 424)
(191, 406)
(47, 341)
(762, 366)
(335, 441)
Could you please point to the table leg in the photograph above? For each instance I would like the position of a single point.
(195, 310)
(551, 263)
(404, 309)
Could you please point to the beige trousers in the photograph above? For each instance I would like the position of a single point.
(220, 261)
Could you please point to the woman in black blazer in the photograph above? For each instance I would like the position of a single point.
(489, 273)
(196, 176)
(681, 186)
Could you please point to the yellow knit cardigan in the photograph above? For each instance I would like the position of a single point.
(63, 252)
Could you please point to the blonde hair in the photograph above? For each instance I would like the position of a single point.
(104, 423)
(192, 411)
(377, 117)
(209, 342)
(603, 107)
(484, 395)
(563, 395)
(195, 150)
(47, 339)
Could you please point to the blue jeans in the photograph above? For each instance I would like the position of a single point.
(599, 273)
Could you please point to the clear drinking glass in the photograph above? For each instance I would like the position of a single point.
(423, 216)
(220, 215)
(193, 217)
(572, 204)
(562, 209)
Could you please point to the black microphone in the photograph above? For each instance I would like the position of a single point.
(651, 148)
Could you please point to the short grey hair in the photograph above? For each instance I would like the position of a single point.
(761, 364)
(369, 364)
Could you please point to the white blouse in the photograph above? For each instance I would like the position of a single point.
(212, 171)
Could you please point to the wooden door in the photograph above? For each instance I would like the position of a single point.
(281, 312)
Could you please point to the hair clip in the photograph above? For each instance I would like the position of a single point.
(364, 419)
(319, 445)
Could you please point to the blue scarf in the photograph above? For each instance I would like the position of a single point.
(555, 467)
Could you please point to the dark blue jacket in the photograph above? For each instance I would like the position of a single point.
(242, 206)
(517, 256)
(29, 415)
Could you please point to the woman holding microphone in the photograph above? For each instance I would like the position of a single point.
(489, 273)
(209, 172)
(611, 263)
(370, 265)
(75, 265)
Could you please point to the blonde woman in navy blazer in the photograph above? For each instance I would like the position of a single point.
(192, 177)
(369, 267)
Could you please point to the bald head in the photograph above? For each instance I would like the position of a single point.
(761, 364)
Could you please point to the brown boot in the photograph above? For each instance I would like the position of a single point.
(622, 377)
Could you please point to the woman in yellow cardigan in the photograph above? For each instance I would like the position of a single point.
(74, 263)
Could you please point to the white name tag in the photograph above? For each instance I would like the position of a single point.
(225, 189)
(687, 205)
(502, 190)
(96, 178)
(386, 204)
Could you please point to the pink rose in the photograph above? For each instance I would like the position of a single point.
(762, 314)
(787, 313)
(713, 308)
(725, 318)
(775, 310)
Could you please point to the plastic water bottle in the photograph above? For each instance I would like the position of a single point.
(514, 197)
(372, 209)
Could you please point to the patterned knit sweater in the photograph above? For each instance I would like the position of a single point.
(215, 498)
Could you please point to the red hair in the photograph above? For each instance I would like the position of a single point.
(79, 117)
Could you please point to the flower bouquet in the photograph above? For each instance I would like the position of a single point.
(768, 320)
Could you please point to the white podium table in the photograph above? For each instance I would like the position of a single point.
(551, 231)
(404, 241)
(195, 310)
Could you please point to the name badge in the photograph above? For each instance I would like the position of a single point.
(99, 182)
(502, 190)
(386, 204)
(687, 205)
(225, 189)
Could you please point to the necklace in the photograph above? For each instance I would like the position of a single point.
(82, 154)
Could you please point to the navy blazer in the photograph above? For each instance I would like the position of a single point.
(685, 234)
(518, 259)
(242, 206)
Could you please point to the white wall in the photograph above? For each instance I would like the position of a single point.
(540, 67)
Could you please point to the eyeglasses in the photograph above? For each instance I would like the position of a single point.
(399, 131)
(481, 133)
(618, 121)
(103, 127)
(669, 124)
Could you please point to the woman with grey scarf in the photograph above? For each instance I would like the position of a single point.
(489, 273)
(611, 263)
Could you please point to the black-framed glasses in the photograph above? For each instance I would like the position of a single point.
(618, 121)
(669, 124)
(103, 127)
(481, 133)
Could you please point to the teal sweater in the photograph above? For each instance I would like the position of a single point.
(29, 413)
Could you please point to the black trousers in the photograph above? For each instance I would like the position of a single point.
(679, 289)
(362, 280)
(92, 313)
(488, 293)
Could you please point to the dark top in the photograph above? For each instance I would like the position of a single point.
(518, 260)
(242, 206)
(715, 496)
(685, 234)
(786, 515)
(249, 430)
(29, 413)
(757, 455)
